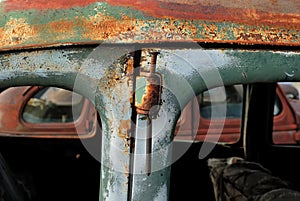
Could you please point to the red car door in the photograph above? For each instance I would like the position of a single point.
(285, 125)
(46, 112)
(219, 120)
(225, 127)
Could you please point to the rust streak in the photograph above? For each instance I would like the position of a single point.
(280, 13)
(224, 10)
(123, 133)
(100, 27)
(105, 27)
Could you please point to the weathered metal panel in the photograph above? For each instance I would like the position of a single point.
(41, 23)
(100, 74)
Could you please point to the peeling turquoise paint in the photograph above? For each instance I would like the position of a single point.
(60, 67)
(132, 26)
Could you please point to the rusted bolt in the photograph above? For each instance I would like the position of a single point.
(148, 85)
(153, 62)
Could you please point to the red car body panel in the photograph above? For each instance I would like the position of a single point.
(13, 101)
(285, 127)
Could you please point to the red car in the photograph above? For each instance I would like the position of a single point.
(50, 112)
(46, 112)
(285, 126)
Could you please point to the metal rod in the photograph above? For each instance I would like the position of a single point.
(153, 62)
(148, 146)
(136, 64)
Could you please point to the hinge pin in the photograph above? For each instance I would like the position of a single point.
(147, 100)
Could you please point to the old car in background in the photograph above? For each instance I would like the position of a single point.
(41, 154)
(46, 112)
(135, 66)
(286, 116)
(51, 112)
(62, 116)
(290, 90)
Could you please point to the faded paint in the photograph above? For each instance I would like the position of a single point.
(37, 23)
(17, 5)
(251, 12)
(162, 193)
(59, 67)
(123, 133)
(115, 111)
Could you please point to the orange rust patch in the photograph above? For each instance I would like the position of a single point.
(64, 29)
(104, 27)
(210, 31)
(18, 33)
(259, 35)
(62, 26)
(123, 133)
(124, 128)
(149, 100)
(2, 37)
(130, 66)
(130, 30)
(15, 31)
(224, 10)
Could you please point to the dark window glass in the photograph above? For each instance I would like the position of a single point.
(53, 105)
(233, 101)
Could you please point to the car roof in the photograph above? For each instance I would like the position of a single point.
(40, 23)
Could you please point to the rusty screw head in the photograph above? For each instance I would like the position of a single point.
(153, 61)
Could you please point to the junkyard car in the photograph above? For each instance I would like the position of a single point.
(139, 64)
(51, 112)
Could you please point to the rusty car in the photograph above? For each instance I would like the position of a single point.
(57, 114)
(51, 112)
(134, 67)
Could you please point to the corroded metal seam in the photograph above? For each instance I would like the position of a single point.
(111, 23)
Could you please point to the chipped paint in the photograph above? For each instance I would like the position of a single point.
(123, 133)
(162, 193)
(116, 113)
(252, 12)
(15, 31)
(148, 91)
(16, 5)
(182, 77)
(30, 24)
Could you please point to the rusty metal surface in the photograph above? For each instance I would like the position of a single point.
(148, 93)
(99, 74)
(41, 23)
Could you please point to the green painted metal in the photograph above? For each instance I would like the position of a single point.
(100, 74)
